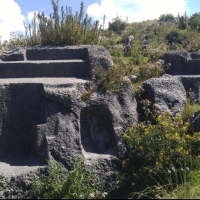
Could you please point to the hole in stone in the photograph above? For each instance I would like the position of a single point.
(97, 134)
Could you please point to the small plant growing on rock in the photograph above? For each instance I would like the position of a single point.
(76, 184)
(110, 79)
(151, 70)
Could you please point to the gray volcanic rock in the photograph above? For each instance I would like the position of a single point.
(43, 61)
(99, 57)
(46, 119)
(191, 84)
(182, 63)
(16, 54)
(167, 92)
(194, 122)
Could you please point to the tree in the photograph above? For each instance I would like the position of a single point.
(183, 22)
(194, 21)
(117, 25)
(167, 18)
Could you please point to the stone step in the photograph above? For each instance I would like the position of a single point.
(45, 68)
(56, 53)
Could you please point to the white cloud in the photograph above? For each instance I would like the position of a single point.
(11, 19)
(135, 10)
(30, 15)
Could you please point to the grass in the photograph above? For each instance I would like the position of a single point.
(190, 109)
(189, 189)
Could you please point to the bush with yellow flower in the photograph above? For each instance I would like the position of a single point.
(157, 151)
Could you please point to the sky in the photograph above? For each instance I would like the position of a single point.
(14, 12)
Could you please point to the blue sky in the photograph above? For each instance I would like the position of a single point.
(14, 12)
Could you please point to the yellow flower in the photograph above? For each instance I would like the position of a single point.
(123, 163)
(168, 112)
(141, 147)
(126, 136)
(184, 128)
(167, 135)
(187, 136)
(176, 136)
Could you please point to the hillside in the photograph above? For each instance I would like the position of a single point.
(163, 154)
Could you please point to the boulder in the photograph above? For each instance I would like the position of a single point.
(133, 78)
(167, 92)
(145, 41)
(129, 40)
(128, 43)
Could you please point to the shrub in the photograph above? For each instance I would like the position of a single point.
(194, 44)
(159, 150)
(167, 18)
(189, 110)
(111, 79)
(176, 36)
(64, 29)
(76, 184)
(183, 22)
(194, 21)
(154, 54)
(151, 70)
(117, 25)
(116, 52)
(67, 29)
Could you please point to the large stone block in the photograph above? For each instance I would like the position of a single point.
(167, 92)
(49, 61)
(182, 63)
(46, 119)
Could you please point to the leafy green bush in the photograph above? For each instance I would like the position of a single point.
(183, 22)
(194, 21)
(110, 79)
(194, 43)
(151, 70)
(159, 150)
(76, 184)
(176, 36)
(117, 25)
(167, 18)
(67, 29)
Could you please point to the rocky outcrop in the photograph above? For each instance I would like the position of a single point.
(46, 119)
(51, 61)
(128, 44)
(43, 116)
